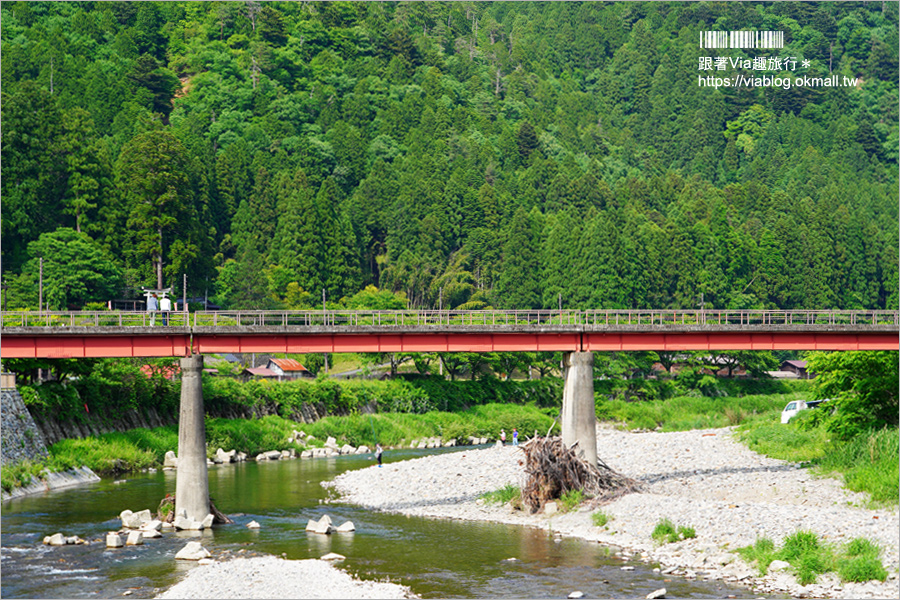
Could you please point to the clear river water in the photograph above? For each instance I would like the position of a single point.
(437, 558)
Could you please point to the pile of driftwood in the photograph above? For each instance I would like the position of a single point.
(553, 469)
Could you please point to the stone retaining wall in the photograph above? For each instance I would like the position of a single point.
(21, 438)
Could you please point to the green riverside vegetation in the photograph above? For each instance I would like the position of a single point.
(857, 561)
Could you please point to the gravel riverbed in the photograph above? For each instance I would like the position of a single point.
(703, 479)
(273, 577)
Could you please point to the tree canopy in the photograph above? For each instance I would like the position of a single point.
(467, 155)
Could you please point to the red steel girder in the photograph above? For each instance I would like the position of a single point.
(740, 340)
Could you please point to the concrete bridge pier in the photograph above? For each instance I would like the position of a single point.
(191, 480)
(579, 419)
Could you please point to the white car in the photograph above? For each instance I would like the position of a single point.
(796, 406)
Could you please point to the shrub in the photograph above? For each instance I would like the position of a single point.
(600, 518)
(570, 500)
(666, 532)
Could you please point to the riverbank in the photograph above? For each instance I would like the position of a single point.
(273, 577)
(701, 479)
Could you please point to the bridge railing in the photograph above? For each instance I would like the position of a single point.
(384, 318)
(463, 318)
(93, 319)
(741, 317)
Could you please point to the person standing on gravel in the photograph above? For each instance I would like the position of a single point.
(378, 453)
(503, 436)
(515, 437)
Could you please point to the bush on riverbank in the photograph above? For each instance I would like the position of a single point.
(416, 396)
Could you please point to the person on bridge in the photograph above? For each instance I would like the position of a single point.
(152, 308)
(165, 305)
(378, 453)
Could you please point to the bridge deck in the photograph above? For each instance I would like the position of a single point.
(107, 333)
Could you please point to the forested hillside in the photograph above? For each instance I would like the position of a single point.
(470, 154)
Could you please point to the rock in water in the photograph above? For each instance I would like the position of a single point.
(576, 595)
(347, 526)
(660, 593)
(114, 540)
(193, 551)
(135, 538)
(333, 556)
(255, 525)
(57, 539)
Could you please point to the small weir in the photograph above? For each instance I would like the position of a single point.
(437, 558)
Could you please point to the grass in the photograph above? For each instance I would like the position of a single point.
(600, 518)
(504, 495)
(667, 532)
(686, 412)
(570, 500)
(858, 561)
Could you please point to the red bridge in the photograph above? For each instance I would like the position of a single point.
(123, 334)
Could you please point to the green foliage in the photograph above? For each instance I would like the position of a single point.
(862, 387)
(570, 500)
(600, 518)
(684, 413)
(858, 561)
(504, 495)
(370, 145)
(666, 532)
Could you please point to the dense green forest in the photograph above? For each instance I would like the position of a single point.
(466, 154)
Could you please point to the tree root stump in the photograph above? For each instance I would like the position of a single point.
(553, 469)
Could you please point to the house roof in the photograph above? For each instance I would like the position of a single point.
(800, 364)
(288, 364)
(261, 372)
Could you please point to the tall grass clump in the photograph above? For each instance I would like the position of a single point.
(868, 463)
(858, 561)
(506, 494)
(570, 500)
(666, 532)
(108, 454)
(861, 562)
(600, 518)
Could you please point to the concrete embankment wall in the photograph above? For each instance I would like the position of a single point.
(91, 425)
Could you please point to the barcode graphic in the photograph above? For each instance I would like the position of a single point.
(742, 39)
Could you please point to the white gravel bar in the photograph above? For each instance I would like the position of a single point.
(702, 479)
(273, 577)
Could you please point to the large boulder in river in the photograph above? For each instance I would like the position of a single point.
(331, 443)
(135, 538)
(170, 460)
(114, 540)
(322, 526)
(57, 539)
(135, 520)
(347, 449)
(193, 551)
(346, 527)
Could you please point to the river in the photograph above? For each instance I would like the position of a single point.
(436, 558)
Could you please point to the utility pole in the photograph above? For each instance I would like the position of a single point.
(41, 287)
(184, 293)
